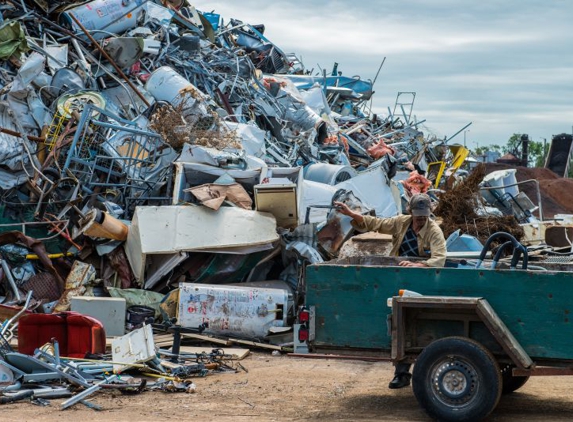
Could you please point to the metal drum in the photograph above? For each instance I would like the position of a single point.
(105, 16)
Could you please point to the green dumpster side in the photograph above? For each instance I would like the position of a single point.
(351, 308)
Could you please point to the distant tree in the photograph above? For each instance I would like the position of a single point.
(535, 151)
(513, 145)
(482, 150)
(536, 154)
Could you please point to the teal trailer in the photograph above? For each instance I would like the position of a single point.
(472, 333)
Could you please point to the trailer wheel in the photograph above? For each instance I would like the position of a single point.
(457, 379)
(510, 382)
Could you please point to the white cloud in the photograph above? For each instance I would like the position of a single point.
(506, 66)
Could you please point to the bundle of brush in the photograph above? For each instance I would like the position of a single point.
(459, 208)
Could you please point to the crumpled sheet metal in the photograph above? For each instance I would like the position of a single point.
(38, 248)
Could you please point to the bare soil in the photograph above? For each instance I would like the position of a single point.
(285, 388)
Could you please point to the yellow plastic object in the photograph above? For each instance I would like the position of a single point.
(51, 256)
(460, 154)
(435, 172)
(55, 129)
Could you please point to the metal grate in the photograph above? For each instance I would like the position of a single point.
(4, 347)
(112, 157)
(556, 259)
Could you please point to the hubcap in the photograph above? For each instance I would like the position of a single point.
(454, 382)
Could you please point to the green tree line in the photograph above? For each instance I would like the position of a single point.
(536, 150)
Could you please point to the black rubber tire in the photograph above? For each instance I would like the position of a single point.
(457, 379)
(511, 383)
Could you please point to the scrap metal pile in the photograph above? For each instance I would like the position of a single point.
(170, 159)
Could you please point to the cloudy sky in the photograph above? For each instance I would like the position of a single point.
(506, 66)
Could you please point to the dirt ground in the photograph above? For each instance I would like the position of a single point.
(285, 388)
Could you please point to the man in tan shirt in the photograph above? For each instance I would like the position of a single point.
(414, 235)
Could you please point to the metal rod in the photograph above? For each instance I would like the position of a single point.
(116, 67)
(11, 280)
(458, 132)
(6, 324)
(79, 397)
(378, 73)
(19, 135)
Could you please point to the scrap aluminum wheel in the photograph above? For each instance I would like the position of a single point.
(457, 379)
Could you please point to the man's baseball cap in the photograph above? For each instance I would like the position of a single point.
(421, 205)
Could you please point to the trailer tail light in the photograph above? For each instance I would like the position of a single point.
(303, 334)
(303, 316)
(302, 328)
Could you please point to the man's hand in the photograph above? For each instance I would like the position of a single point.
(342, 208)
(412, 264)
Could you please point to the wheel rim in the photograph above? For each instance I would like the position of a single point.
(454, 382)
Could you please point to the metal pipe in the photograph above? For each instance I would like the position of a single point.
(12, 387)
(389, 134)
(115, 66)
(79, 397)
(459, 131)
(19, 135)
(11, 280)
(378, 73)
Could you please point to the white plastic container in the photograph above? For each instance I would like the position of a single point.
(502, 179)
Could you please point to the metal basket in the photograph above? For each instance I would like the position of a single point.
(4, 347)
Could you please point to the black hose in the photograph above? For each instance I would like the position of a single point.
(518, 249)
(497, 256)
(521, 250)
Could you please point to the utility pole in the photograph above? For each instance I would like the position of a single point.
(465, 131)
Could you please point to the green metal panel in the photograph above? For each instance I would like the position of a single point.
(351, 309)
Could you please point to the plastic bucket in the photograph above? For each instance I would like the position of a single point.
(136, 315)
